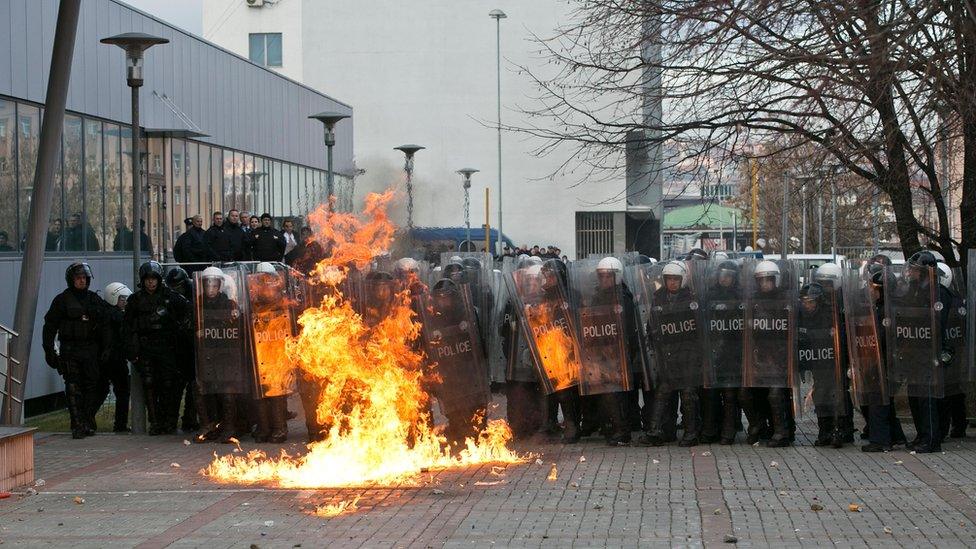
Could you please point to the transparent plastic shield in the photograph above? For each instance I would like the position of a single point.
(820, 352)
(601, 329)
(221, 333)
(914, 332)
(634, 278)
(497, 362)
(377, 296)
(548, 327)
(675, 324)
(454, 350)
(958, 370)
(723, 312)
(864, 335)
(271, 326)
(299, 295)
(770, 326)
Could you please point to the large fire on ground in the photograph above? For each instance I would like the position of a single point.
(371, 379)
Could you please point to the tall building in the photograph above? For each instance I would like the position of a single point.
(220, 133)
(424, 72)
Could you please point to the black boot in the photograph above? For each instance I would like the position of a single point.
(207, 415)
(190, 421)
(757, 421)
(279, 419)
(825, 430)
(569, 402)
(76, 413)
(780, 414)
(661, 418)
(612, 408)
(229, 418)
(263, 431)
(730, 415)
(711, 415)
(152, 404)
(690, 413)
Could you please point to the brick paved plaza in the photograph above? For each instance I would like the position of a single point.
(619, 497)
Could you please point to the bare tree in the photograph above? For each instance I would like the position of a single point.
(867, 83)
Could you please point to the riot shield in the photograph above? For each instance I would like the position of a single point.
(221, 338)
(634, 278)
(548, 327)
(914, 331)
(723, 322)
(958, 371)
(601, 330)
(299, 295)
(454, 350)
(820, 351)
(377, 297)
(271, 325)
(675, 324)
(769, 335)
(868, 374)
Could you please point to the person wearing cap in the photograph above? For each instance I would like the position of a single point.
(114, 370)
(265, 242)
(77, 319)
(153, 317)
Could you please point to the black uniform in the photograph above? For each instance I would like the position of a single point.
(236, 236)
(192, 247)
(266, 244)
(220, 242)
(114, 372)
(153, 322)
(79, 320)
(178, 281)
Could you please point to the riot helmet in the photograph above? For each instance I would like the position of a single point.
(945, 275)
(78, 269)
(810, 296)
(453, 271)
(213, 280)
(728, 274)
(674, 275)
(115, 291)
(176, 279)
(554, 268)
(696, 253)
(767, 271)
(151, 269)
(829, 273)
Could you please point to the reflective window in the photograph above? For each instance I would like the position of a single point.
(265, 49)
(94, 184)
(192, 180)
(113, 188)
(9, 240)
(178, 205)
(28, 136)
(250, 182)
(217, 180)
(229, 198)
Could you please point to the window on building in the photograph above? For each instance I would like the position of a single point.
(594, 233)
(265, 48)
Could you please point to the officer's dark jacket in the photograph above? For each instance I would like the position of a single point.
(79, 319)
(237, 238)
(192, 247)
(153, 321)
(219, 240)
(266, 244)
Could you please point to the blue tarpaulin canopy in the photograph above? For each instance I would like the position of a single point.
(456, 234)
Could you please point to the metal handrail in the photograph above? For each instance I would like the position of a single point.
(9, 331)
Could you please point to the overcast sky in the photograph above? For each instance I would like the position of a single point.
(185, 14)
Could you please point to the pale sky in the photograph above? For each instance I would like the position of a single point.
(185, 14)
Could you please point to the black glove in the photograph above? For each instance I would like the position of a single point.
(52, 359)
(105, 356)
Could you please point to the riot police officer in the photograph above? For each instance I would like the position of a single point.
(78, 319)
(153, 318)
(114, 372)
(179, 281)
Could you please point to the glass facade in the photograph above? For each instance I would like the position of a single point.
(92, 206)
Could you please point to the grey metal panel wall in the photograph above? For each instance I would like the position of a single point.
(42, 380)
(239, 104)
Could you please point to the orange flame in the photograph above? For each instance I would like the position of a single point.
(558, 353)
(372, 382)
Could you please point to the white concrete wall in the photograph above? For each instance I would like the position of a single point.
(228, 23)
(424, 72)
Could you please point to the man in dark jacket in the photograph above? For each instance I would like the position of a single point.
(192, 246)
(219, 239)
(265, 242)
(153, 319)
(123, 237)
(79, 236)
(235, 232)
(79, 320)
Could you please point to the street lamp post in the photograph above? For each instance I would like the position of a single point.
(135, 45)
(329, 120)
(409, 151)
(498, 15)
(466, 174)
